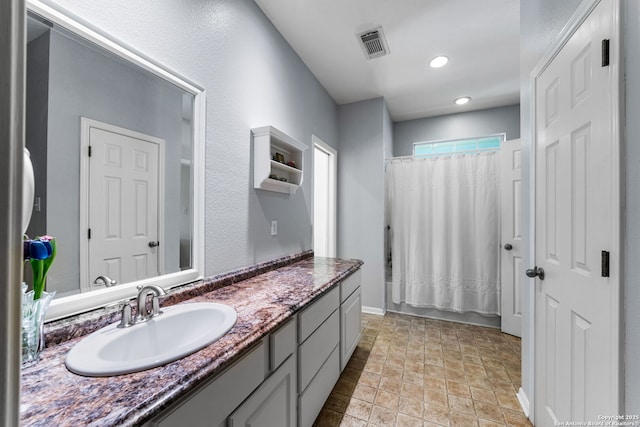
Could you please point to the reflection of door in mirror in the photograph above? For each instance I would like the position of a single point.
(124, 182)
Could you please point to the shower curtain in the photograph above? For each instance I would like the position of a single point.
(444, 214)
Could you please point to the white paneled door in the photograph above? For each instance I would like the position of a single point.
(123, 215)
(576, 222)
(511, 266)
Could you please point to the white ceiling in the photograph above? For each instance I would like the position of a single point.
(480, 37)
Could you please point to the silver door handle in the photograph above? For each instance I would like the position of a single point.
(105, 280)
(535, 271)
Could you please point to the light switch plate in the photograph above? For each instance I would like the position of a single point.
(274, 228)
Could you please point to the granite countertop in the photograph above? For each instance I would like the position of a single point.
(51, 395)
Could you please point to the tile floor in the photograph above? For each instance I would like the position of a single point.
(412, 371)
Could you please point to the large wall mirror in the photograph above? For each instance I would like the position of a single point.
(116, 141)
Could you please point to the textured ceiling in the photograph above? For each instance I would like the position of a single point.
(480, 37)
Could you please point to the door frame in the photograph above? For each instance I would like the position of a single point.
(617, 109)
(333, 192)
(85, 127)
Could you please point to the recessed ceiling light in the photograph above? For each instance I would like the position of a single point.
(438, 61)
(463, 100)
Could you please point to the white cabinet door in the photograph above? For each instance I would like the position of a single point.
(350, 327)
(273, 403)
(211, 405)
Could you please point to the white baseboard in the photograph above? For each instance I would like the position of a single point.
(373, 310)
(524, 401)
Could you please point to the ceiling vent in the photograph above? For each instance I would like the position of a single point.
(374, 43)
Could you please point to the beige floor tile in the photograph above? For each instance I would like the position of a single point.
(483, 395)
(487, 423)
(458, 389)
(364, 392)
(435, 384)
(455, 375)
(433, 371)
(516, 418)
(349, 421)
(359, 409)
(461, 419)
(489, 411)
(436, 414)
(435, 397)
(412, 407)
(508, 400)
(369, 378)
(461, 404)
(412, 390)
(382, 416)
(408, 421)
(392, 385)
(387, 400)
(411, 371)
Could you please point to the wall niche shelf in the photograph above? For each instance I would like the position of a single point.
(278, 160)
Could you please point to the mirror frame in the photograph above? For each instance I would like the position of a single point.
(82, 302)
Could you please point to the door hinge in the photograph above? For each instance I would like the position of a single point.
(88, 233)
(605, 52)
(605, 264)
(89, 151)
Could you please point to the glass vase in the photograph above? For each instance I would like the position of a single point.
(33, 314)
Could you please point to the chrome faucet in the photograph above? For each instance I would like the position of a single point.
(142, 315)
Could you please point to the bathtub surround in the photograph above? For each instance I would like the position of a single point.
(263, 302)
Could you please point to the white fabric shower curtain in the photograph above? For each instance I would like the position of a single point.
(445, 225)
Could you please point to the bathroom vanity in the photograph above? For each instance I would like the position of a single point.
(298, 324)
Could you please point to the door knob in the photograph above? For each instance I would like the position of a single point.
(105, 281)
(535, 271)
(508, 247)
(154, 244)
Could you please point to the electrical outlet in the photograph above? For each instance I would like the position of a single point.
(274, 228)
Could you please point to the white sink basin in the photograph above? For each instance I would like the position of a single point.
(179, 331)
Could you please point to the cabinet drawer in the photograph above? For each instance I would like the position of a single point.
(350, 326)
(273, 403)
(312, 317)
(282, 344)
(349, 284)
(311, 401)
(215, 401)
(316, 349)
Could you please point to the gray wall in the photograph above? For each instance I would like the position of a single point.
(456, 126)
(85, 83)
(252, 78)
(364, 140)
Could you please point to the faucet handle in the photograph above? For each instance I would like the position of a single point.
(126, 319)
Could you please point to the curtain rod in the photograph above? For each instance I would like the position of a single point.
(491, 150)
